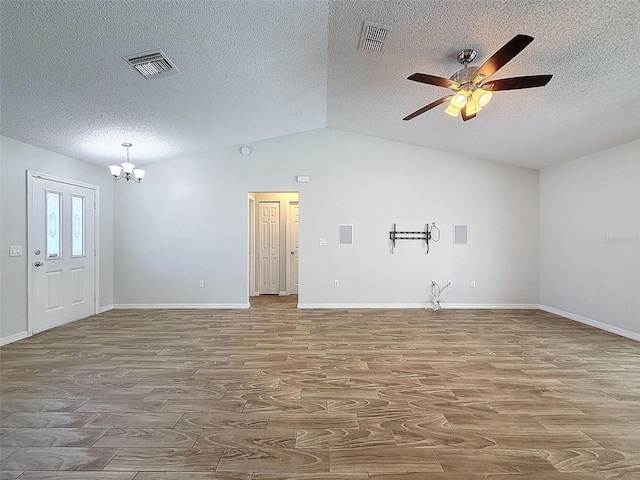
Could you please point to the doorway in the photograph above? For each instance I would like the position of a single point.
(62, 251)
(273, 243)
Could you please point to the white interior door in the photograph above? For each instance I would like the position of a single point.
(61, 252)
(293, 247)
(269, 238)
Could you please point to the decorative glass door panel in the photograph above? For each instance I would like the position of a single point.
(52, 219)
(77, 226)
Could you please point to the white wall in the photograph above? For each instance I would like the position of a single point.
(187, 222)
(15, 159)
(590, 239)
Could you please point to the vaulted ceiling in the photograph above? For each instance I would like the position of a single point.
(253, 70)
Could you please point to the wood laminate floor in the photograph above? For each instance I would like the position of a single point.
(273, 392)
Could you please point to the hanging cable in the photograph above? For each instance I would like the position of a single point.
(439, 294)
(433, 227)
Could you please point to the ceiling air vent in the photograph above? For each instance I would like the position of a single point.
(373, 36)
(151, 64)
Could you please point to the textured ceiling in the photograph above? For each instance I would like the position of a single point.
(252, 70)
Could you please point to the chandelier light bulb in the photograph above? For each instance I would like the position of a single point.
(128, 167)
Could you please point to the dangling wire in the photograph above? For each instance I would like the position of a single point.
(430, 228)
(433, 227)
(439, 294)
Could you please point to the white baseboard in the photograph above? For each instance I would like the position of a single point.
(283, 293)
(593, 323)
(13, 338)
(492, 306)
(174, 306)
(362, 305)
(106, 308)
(513, 306)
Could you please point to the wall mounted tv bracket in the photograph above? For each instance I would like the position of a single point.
(425, 236)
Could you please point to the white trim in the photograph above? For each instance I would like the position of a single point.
(13, 338)
(172, 306)
(593, 323)
(31, 175)
(106, 308)
(478, 306)
(362, 305)
(251, 245)
(283, 293)
(288, 245)
(491, 306)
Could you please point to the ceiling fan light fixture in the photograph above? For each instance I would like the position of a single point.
(472, 107)
(470, 94)
(482, 96)
(451, 110)
(459, 100)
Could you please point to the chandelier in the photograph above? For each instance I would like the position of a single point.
(126, 170)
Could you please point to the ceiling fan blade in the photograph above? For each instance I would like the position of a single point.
(466, 117)
(433, 80)
(516, 83)
(503, 56)
(440, 101)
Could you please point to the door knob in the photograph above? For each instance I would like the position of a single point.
(38, 264)
(292, 253)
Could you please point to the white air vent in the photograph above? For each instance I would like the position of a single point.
(151, 64)
(373, 36)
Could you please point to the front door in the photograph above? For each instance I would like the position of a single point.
(61, 252)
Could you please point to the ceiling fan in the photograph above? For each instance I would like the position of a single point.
(469, 93)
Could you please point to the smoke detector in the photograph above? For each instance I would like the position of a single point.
(151, 64)
(373, 36)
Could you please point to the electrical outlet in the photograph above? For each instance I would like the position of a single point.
(473, 284)
(336, 283)
(201, 284)
(323, 242)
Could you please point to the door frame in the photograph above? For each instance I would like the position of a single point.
(288, 244)
(31, 242)
(254, 195)
(252, 245)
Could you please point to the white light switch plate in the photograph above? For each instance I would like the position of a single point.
(323, 242)
(15, 251)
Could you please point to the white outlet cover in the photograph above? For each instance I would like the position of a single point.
(323, 242)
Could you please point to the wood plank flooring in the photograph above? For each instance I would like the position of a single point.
(273, 392)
